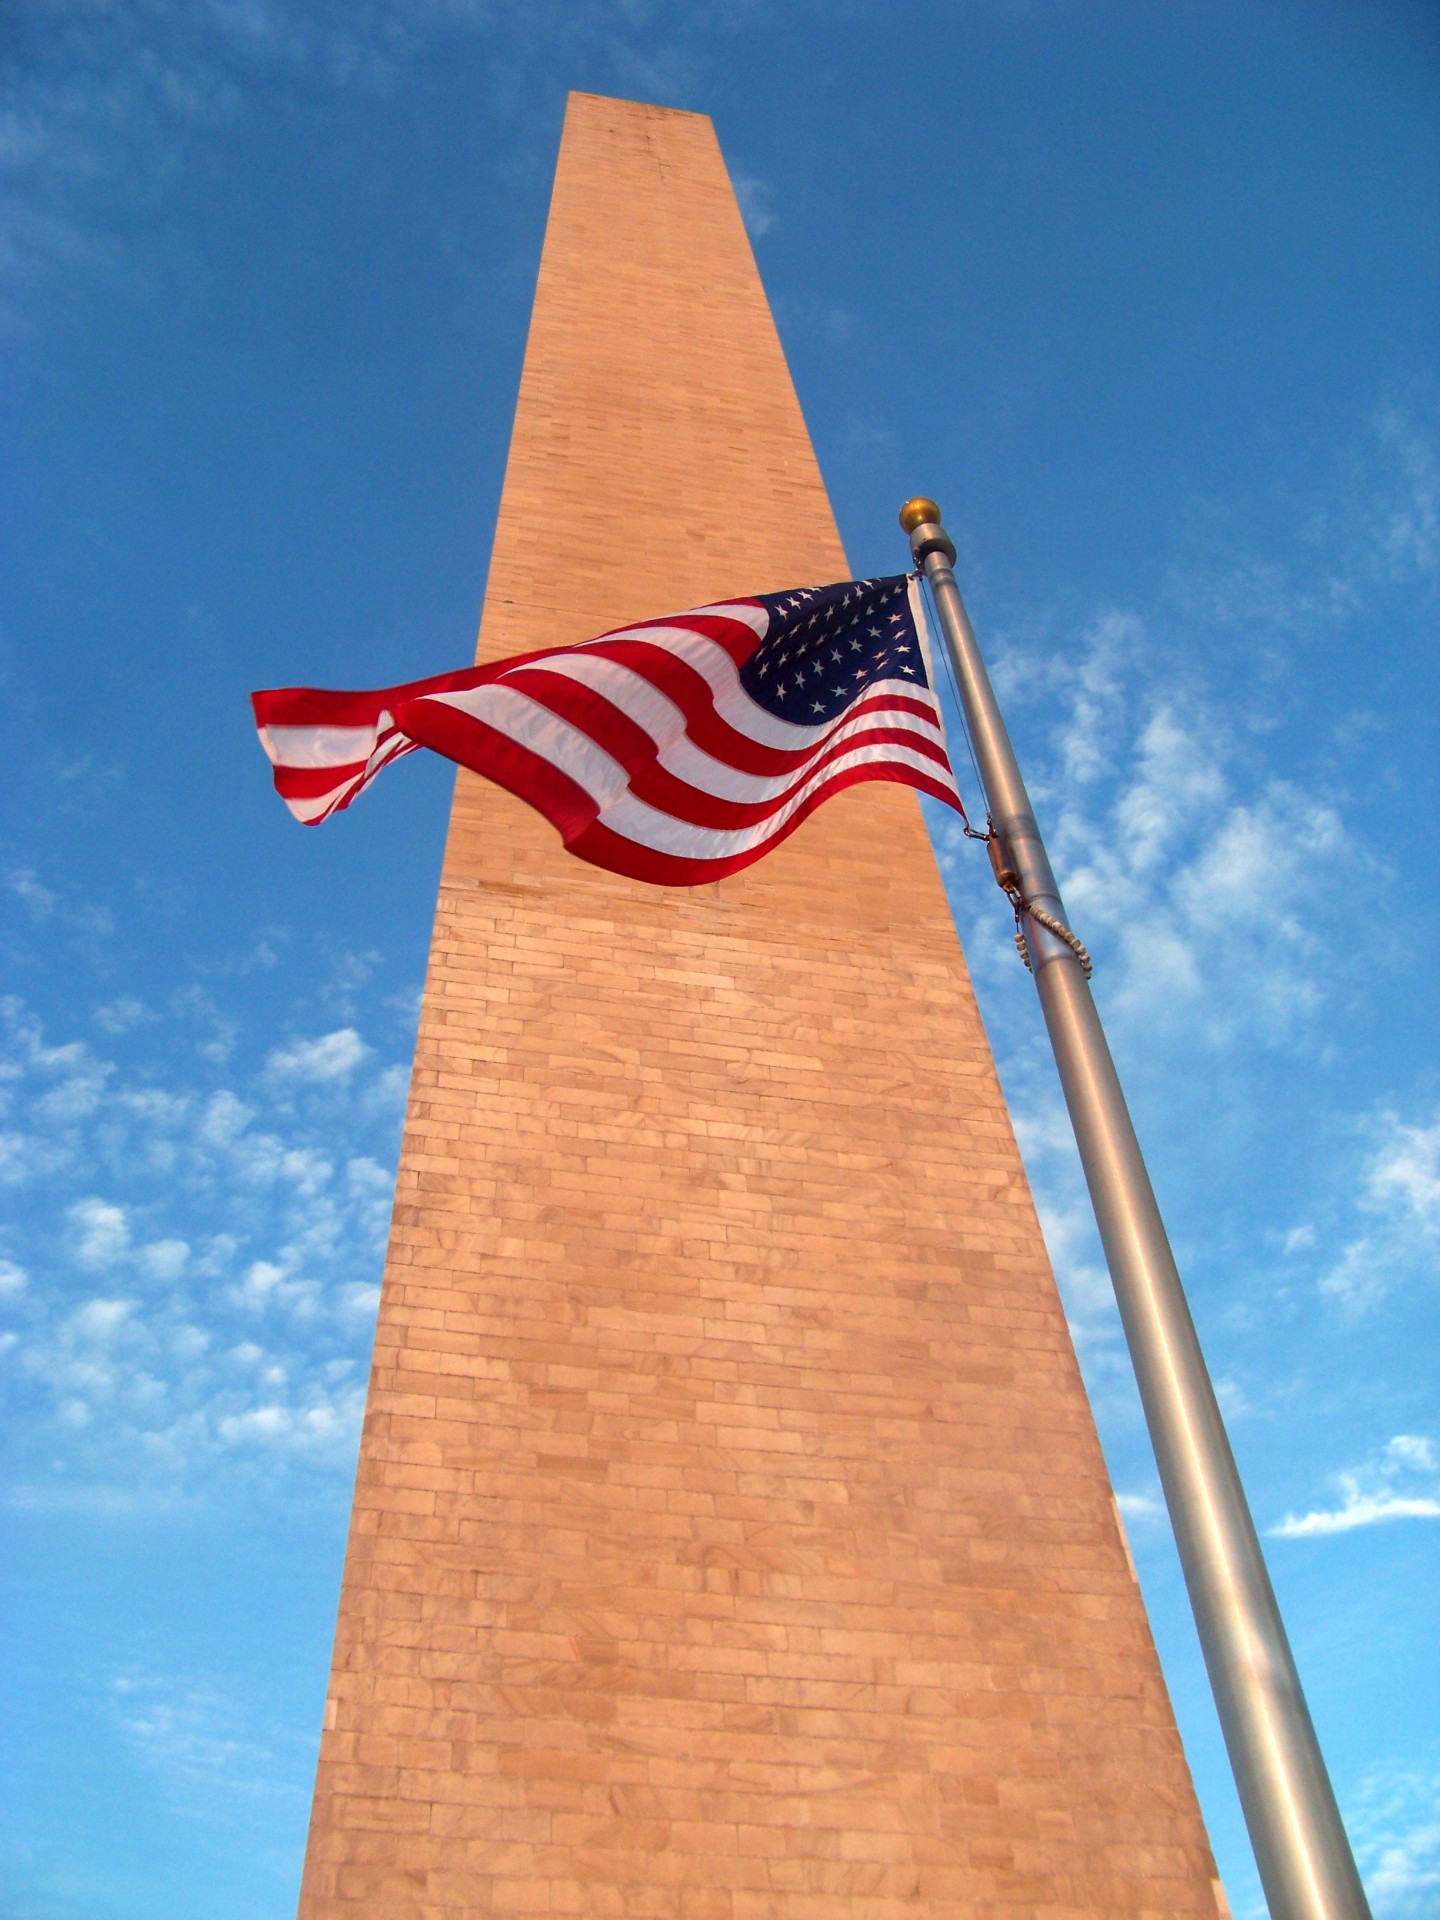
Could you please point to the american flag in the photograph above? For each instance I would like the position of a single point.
(675, 750)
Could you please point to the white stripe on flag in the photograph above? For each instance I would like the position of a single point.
(633, 820)
(576, 755)
(664, 722)
(321, 746)
(716, 667)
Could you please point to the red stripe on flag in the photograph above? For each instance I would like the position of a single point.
(691, 692)
(638, 754)
(604, 848)
(468, 741)
(575, 814)
(325, 707)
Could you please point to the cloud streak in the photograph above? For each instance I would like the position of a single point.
(1403, 1483)
(1209, 891)
(333, 1056)
(1399, 1203)
(106, 113)
(1394, 1822)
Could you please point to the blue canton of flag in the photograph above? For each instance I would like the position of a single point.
(826, 646)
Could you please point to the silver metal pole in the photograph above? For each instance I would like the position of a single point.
(1306, 1866)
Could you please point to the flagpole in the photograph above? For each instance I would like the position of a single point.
(1305, 1862)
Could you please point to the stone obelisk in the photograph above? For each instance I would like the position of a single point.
(731, 1537)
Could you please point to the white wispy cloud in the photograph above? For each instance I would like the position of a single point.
(1374, 528)
(1405, 1174)
(196, 1005)
(39, 901)
(319, 1426)
(49, 904)
(98, 1321)
(219, 1310)
(165, 1260)
(1399, 1204)
(1400, 1483)
(800, 315)
(182, 1729)
(333, 1056)
(1203, 898)
(1208, 891)
(1405, 513)
(757, 202)
(1070, 1239)
(112, 109)
(1394, 1823)
(201, 1739)
(350, 974)
(1139, 1506)
(119, 1016)
(101, 1230)
(1221, 889)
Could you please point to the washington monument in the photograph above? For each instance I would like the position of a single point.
(731, 1538)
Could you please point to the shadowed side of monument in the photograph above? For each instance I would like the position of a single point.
(731, 1537)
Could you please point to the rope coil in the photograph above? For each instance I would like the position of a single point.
(1051, 925)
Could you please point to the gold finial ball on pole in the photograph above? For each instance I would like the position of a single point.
(917, 513)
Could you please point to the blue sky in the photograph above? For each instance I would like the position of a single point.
(1147, 296)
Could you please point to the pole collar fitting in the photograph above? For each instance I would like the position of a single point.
(928, 538)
